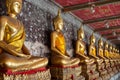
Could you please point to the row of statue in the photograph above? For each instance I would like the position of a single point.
(15, 56)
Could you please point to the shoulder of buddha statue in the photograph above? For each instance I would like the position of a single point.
(83, 43)
(90, 46)
(77, 41)
(53, 34)
(3, 19)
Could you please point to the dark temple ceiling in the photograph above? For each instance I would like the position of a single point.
(103, 16)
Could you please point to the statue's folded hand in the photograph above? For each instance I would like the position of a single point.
(24, 56)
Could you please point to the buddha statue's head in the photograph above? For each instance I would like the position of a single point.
(14, 6)
(118, 51)
(106, 45)
(58, 21)
(100, 42)
(80, 33)
(113, 49)
(110, 48)
(92, 39)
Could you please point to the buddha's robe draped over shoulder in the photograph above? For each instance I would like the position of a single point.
(16, 41)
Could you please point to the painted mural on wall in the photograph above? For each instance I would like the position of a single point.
(38, 26)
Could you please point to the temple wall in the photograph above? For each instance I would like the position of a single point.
(37, 16)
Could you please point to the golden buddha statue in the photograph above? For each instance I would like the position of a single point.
(117, 52)
(100, 48)
(92, 48)
(106, 53)
(60, 56)
(13, 53)
(80, 47)
(114, 52)
(110, 52)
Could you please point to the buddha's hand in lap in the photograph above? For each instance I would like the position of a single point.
(25, 56)
(66, 57)
(87, 58)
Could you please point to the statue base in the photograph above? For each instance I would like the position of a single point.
(113, 66)
(115, 70)
(105, 75)
(109, 69)
(102, 71)
(37, 74)
(66, 73)
(118, 66)
(89, 71)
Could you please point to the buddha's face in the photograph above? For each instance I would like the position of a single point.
(106, 45)
(100, 42)
(60, 25)
(110, 47)
(82, 35)
(116, 50)
(15, 6)
(93, 40)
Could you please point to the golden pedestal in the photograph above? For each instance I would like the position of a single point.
(26, 75)
(66, 73)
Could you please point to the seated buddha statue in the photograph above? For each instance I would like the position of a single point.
(14, 55)
(100, 49)
(114, 54)
(92, 48)
(110, 51)
(106, 53)
(80, 47)
(117, 53)
(60, 56)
